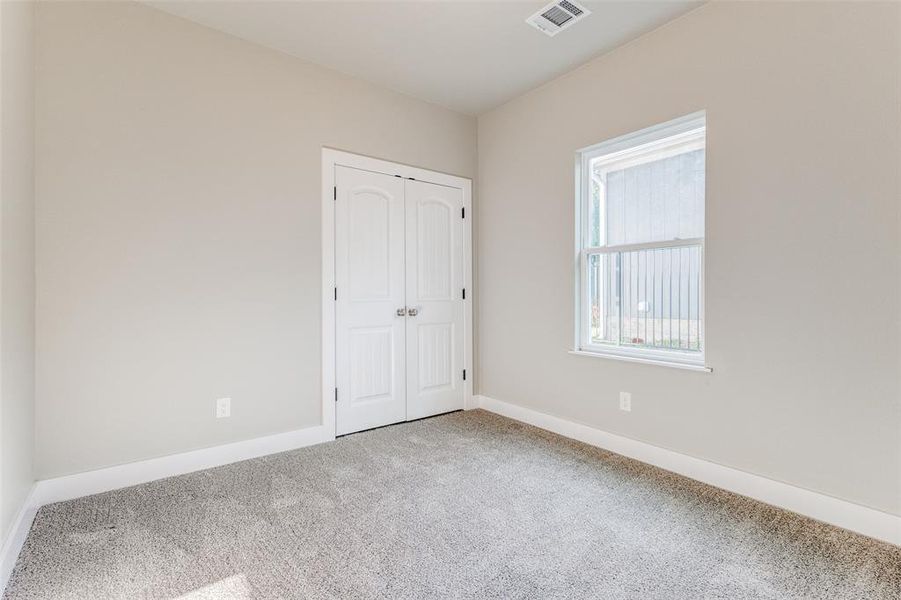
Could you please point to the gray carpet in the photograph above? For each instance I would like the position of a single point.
(467, 505)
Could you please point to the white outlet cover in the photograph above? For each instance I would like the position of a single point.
(625, 401)
(223, 408)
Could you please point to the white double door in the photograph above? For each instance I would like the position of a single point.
(399, 299)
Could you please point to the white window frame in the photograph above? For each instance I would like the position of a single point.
(622, 149)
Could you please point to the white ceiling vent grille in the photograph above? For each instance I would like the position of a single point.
(557, 16)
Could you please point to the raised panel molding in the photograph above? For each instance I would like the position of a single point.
(369, 252)
(436, 356)
(371, 364)
(435, 266)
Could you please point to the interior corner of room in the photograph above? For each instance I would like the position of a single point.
(651, 253)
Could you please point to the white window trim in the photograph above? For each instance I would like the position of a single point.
(624, 151)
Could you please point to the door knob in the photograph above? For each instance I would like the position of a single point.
(401, 312)
(412, 311)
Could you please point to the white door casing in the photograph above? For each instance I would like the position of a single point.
(446, 330)
(369, 253)
(434, 261)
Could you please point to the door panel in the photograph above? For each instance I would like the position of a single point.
(369, 273)
(433, 249)
(436, 356)
(434, 257)
(371, 365)
(369, 244)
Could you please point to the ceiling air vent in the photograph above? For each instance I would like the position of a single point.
(557, 16)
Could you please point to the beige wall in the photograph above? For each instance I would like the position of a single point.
(803, 254)
(16, 258)
(178, 258)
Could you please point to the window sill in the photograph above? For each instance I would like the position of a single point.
(646, 361)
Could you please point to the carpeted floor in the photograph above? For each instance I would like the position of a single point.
(467, 505)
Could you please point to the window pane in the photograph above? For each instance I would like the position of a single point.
(647, 298)
(603, 291)
(653, 201)
(642, 232)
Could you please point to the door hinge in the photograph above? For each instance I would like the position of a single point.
(335, 193)
(336, 394)
(464, 293)
(463, 213)
(464, 374)
(336, 293)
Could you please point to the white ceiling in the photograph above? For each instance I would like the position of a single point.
(465, 55)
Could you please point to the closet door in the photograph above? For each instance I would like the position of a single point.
(434, 299)
(369, 273)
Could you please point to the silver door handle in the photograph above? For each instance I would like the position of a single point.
(401, 312)
(412, 311)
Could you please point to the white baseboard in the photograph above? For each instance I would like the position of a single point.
(120, 476)
(16, 537)
(58, 489)
(861, 519)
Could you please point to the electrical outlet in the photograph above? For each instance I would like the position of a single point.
(625, 401)
(223, 408)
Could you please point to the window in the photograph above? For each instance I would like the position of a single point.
(640, 236)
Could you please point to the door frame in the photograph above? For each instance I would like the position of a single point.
(332, 158)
